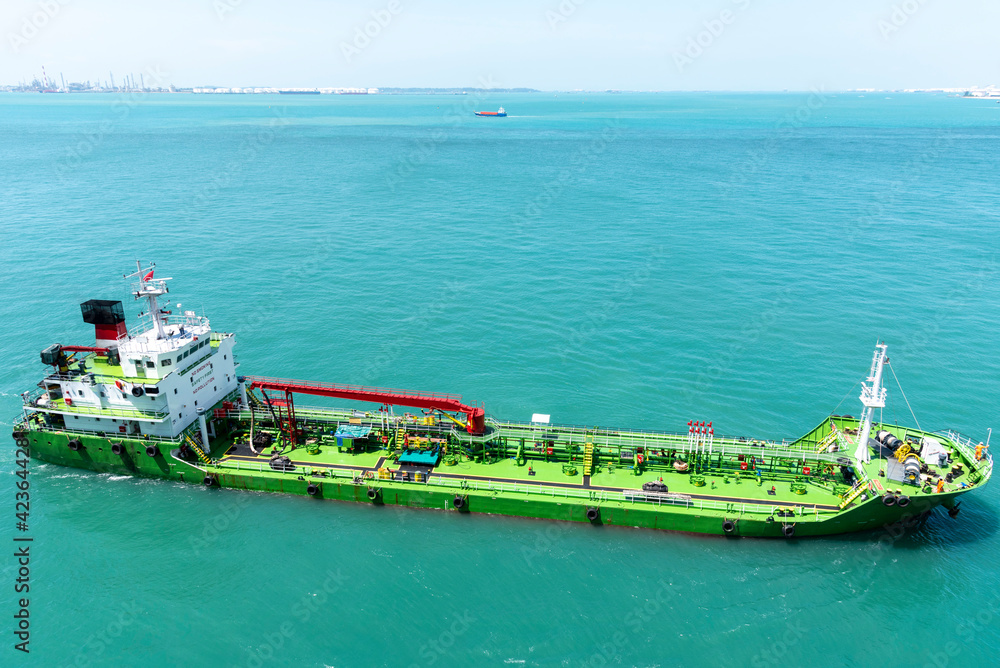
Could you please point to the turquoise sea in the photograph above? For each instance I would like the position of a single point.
(611, 259)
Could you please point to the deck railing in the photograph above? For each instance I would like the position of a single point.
(965, 445)
(34, 426)
(100, 411)
(554, 492)
(724, 446)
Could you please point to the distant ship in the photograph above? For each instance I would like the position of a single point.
(500, 112)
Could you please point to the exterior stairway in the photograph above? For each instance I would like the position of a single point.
(193, 444)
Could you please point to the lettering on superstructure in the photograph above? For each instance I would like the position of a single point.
(200, 381)
(203, 385)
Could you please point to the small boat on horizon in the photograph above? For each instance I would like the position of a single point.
(499, 113)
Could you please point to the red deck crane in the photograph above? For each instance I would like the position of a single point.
(475, 415)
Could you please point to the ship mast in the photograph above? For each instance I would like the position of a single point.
(150, 289)
(872, 396)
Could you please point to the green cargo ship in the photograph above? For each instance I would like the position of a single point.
(164, 399)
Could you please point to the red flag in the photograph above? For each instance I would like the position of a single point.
(148, 276)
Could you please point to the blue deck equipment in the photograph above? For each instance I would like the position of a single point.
(346, 433)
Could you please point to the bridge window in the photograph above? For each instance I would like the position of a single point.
(150, 364)
(166, 362)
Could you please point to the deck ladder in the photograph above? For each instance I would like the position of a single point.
(254, 401)
(588, 455)
(197, 449)
(827, 441)
(855, 493)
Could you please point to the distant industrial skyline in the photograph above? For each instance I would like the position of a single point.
(554, 45)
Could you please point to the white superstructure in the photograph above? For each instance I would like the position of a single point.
(155, 380)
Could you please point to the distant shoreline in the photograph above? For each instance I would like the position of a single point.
(974, 93)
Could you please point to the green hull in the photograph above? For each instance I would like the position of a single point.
(740, 505)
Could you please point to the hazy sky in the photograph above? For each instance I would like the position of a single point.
(558, 44)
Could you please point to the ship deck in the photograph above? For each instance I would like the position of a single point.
(546, 478)
(532, 461)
